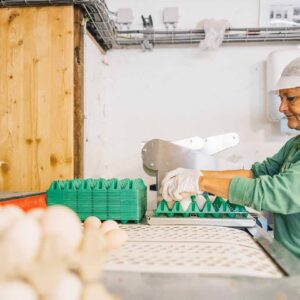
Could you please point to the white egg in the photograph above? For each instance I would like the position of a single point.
(186, 195)
(68, 287)
(185, 203)
(37, 213)
(62, 225)
(20, 245)
(17, 290)
(108, 226)
(8, 215)
(170, 204)
(92, 253)
(43, 272)
(95, 291)
(116, 238)
(200, 200)
(92, 222)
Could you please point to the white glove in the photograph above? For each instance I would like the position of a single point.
(180, 181)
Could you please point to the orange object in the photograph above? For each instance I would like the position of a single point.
(27, 202)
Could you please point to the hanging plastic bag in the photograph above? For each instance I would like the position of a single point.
(214, 33)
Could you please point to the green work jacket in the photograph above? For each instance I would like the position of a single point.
(275, 188)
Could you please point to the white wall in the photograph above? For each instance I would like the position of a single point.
(173, 93)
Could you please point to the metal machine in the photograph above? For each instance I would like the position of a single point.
(160, 156)
(199, 258)
(202, 262)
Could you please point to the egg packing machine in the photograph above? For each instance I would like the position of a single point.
(180, 257)
(160, 157)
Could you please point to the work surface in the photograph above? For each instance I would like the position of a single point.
(192, 249)
(9, 195)
(179, 262)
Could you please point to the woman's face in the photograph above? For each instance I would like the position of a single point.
(290, 106)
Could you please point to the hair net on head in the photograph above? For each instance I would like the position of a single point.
(290, 77)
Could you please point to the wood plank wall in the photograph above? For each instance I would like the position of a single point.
(78, 92)
(36, 97)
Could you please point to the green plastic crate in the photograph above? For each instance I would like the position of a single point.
(121, 200)
(219, 208)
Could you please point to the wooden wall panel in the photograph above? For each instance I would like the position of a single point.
(36, 97)
(78, 92)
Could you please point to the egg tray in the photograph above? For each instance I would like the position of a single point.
(121, 200)
(219, 208)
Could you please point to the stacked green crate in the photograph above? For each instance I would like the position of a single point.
(113, 199)
(122, 200)
(99, 199)
(219, 208)
(84, 198)
(63, 192)
(133, 189)
(126, 199)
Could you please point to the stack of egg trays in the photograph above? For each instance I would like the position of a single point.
(85, 199)
(122, 200)
(64, 192)
(126, 200)
(99, 199)
(219, 208)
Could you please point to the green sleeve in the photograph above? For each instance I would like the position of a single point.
(277, 194)
(272, 165)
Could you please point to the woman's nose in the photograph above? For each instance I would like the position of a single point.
(283, 105)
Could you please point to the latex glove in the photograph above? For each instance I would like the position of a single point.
(180, 181)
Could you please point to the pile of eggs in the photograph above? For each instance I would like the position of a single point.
(46, 254)
(186, 201)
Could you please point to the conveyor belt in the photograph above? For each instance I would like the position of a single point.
(202, 250)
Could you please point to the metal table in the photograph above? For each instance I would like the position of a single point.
(146, 282)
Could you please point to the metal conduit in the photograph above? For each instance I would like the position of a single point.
(12, 3)
(105, 31)
(194, 31)
(232, 35)
(100, 24)
(194, 41)
(186, 39)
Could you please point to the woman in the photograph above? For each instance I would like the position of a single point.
(273, 185)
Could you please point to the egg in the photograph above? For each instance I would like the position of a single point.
(8, 215)
(185, 195)
(63, 226)
(67, 287)
(17, 290)
(108, 226)
(200, 200)
(92, 222)
(116, 238)
(19, 245)
(49, 265)
(37, 213)
(93, 291)
(185, 203)
(92, 253)
(170, 204)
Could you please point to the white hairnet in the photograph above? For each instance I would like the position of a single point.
(290, 77)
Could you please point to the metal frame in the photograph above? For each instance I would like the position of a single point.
(141, 285)
(100, 24)
(227, 222)
(283, 258)
(149, 286)
(161, 156)
(232, 35)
